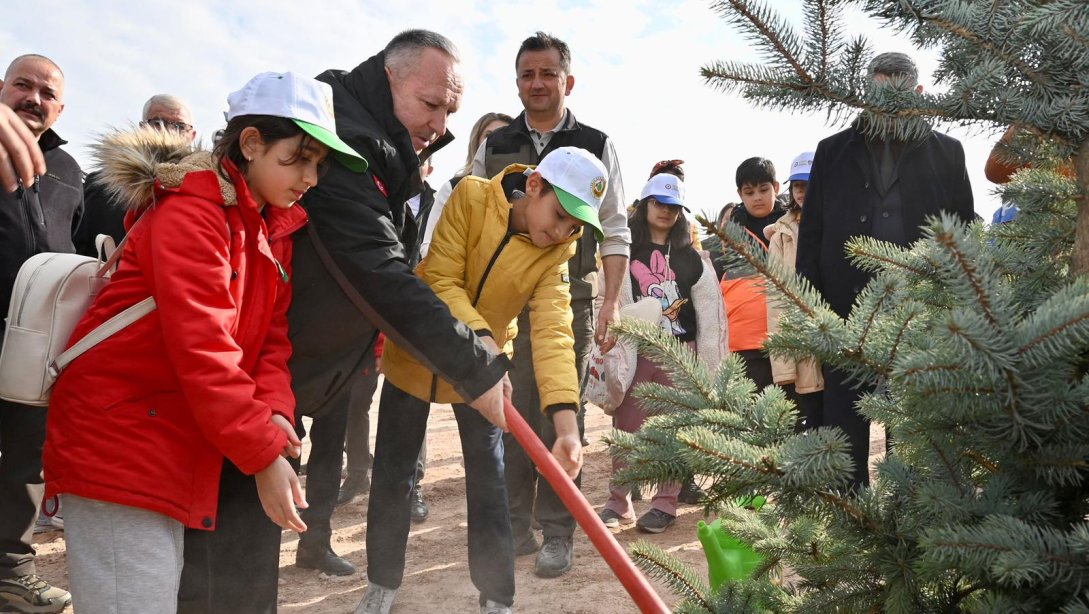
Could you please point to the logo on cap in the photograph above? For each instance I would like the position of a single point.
(325, 98)
(597, 186)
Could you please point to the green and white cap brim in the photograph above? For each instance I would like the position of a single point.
(308, 102)
(580, 210)
(343, 152)
(580, 181)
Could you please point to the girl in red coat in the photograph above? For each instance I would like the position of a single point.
(146, 428)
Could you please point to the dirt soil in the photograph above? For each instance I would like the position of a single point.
(436, 573)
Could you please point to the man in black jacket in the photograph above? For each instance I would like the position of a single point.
(33, 219)
(881, 188)
(393, 109)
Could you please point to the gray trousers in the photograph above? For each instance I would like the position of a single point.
(528, 495)
(121, 559)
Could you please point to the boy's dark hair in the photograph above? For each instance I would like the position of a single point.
(755, 171)
(272, 129)
(542, 41)
(680, 237)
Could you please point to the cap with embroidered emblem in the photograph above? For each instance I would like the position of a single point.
(666, 189)
(579, 180)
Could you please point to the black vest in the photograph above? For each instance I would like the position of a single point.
(513, 144)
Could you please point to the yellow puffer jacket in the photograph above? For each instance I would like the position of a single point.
(486, 275)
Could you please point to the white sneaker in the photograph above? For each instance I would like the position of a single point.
(49, 519)
(491, 607)
(377, 600)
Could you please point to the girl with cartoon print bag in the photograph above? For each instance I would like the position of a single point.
(665, 267)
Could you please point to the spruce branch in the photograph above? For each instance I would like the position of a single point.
(657, 563)
(762, 21)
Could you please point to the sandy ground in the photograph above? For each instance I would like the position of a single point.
(436, 574)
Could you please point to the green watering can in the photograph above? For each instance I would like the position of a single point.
(727, 557)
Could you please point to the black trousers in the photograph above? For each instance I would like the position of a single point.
(22, 435)
(839, 410)
(528, 495)
(234, 569)
(357, 445)
(324, 465)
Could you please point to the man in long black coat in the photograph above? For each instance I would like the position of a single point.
(881, 188)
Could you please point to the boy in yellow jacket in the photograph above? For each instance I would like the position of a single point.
(500, 245)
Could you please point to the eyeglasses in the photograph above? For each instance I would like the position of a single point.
(161, 124)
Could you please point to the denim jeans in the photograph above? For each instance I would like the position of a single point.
(402, 423)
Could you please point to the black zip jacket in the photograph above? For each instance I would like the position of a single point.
(41, 218)
(364, 222)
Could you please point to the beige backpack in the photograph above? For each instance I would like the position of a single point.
(51, 293)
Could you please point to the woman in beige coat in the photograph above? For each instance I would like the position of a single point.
(801, 379)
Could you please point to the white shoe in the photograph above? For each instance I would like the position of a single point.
(49, 518)
(491, 607)
(377, 600)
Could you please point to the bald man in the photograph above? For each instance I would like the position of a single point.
(34, 217)
(102, 216)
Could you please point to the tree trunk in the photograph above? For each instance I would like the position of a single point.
(1081, 233)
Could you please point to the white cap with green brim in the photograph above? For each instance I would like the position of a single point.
(579, 180)
(308, 102)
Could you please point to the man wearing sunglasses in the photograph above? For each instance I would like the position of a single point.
(101, 217)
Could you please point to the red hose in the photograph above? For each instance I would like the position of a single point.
(634, 582)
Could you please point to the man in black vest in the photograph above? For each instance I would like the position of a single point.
(544, 80)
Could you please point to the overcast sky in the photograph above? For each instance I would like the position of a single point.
(636, 67)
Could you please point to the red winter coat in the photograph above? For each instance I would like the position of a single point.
(146, 417)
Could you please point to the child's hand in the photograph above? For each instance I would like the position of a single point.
(568, 453)
(294, 446)
(279, 490)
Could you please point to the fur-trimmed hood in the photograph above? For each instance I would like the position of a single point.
(130, 162)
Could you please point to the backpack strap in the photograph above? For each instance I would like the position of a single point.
(104, 244)
(101, 333)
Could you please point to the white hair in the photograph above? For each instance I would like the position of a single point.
(403, 50)
(172, 103)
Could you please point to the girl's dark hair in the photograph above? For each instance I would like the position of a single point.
(272, 129)
(680, 236)
(791, 204)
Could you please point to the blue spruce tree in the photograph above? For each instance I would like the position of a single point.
(976, 339)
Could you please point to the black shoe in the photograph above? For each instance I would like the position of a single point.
(612, 520)
(554, 559)
(354, 486)
(527, 545)
(418, 506)
(322, 558)
(690, 493)
(654, 521)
